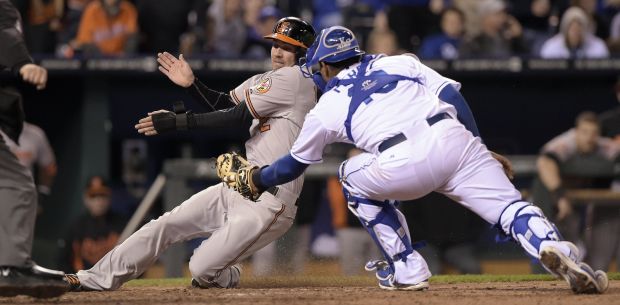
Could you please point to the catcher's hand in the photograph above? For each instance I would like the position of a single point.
(236, 172)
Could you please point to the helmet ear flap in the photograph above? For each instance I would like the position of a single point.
(300, 55)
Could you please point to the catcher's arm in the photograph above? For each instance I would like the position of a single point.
(161, 121)
(506, 164)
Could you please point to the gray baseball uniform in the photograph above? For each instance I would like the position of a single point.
(235, 227)
(33, 148)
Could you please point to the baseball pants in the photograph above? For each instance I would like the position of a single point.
(235, 227)
(444, 158)
(18, 210)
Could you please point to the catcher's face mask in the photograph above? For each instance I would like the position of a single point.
(310, 67)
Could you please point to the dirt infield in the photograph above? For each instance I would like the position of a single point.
(538, 292)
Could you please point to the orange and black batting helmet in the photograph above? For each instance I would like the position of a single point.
(293, 31)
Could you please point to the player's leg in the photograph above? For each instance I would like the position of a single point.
(480, 184)
(18, 204)
(249, 226)
(402, 267)
(264, 260)
(196, 217)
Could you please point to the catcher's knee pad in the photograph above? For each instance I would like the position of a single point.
(528, 226)
(385, 225)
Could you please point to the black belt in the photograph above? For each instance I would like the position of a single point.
(401, 137)
(273, 190)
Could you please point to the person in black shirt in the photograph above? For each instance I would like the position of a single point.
(18, 273)
(95, 232)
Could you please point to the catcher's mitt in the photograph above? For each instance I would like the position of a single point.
(236, 172)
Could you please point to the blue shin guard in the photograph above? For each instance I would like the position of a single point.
(528, 226)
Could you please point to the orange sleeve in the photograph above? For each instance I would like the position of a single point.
(132, 17)
(337, 202)
(85, 31)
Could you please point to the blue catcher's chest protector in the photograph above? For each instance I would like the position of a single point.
(366, 85)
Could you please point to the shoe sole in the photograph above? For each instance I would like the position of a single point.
(418, 287)
(579, 280)
(41, 292)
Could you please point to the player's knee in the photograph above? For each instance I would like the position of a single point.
(199, 270)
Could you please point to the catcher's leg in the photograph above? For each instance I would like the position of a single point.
(527, 225)
(481, 185)
(403, 267)
(197, 217)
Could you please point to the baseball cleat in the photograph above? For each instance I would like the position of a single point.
(381, 267)
(389, 285)
(235, 275)
(74, 283)
(386, 277)
(34, 281)
(580, 277)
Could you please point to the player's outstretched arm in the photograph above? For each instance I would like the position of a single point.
(160, 121)
(145, 125)
(176, 69)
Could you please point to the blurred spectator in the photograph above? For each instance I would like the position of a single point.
(356, 246)
(256, 46)
(95, 232)
(450, 232)
(361, 17)
(412, 21)
(614, 36)
(445, 44)
(107, 27)
(35, 153)
(71, 21)
(226, 29)
(326, 13)
(575, 39)
(195, 38)
(42, 23)
(161, 24)
(579, 158)
(610, 120)
(382, 39)
(252, 10)
(599, 25)
(500, 34)
(539, 18)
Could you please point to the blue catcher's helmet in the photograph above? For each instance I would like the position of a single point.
(332, 45)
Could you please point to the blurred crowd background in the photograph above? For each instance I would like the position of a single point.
(92, 169)
(445, 29)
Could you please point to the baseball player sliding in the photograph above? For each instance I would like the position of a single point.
(276, 102)
(414, 145)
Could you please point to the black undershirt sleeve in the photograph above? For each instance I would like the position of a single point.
(214, 100)
(239, 115)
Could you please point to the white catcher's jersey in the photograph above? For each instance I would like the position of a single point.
(279, 101)
(397, 108)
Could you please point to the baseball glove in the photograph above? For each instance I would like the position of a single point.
(236, 172)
